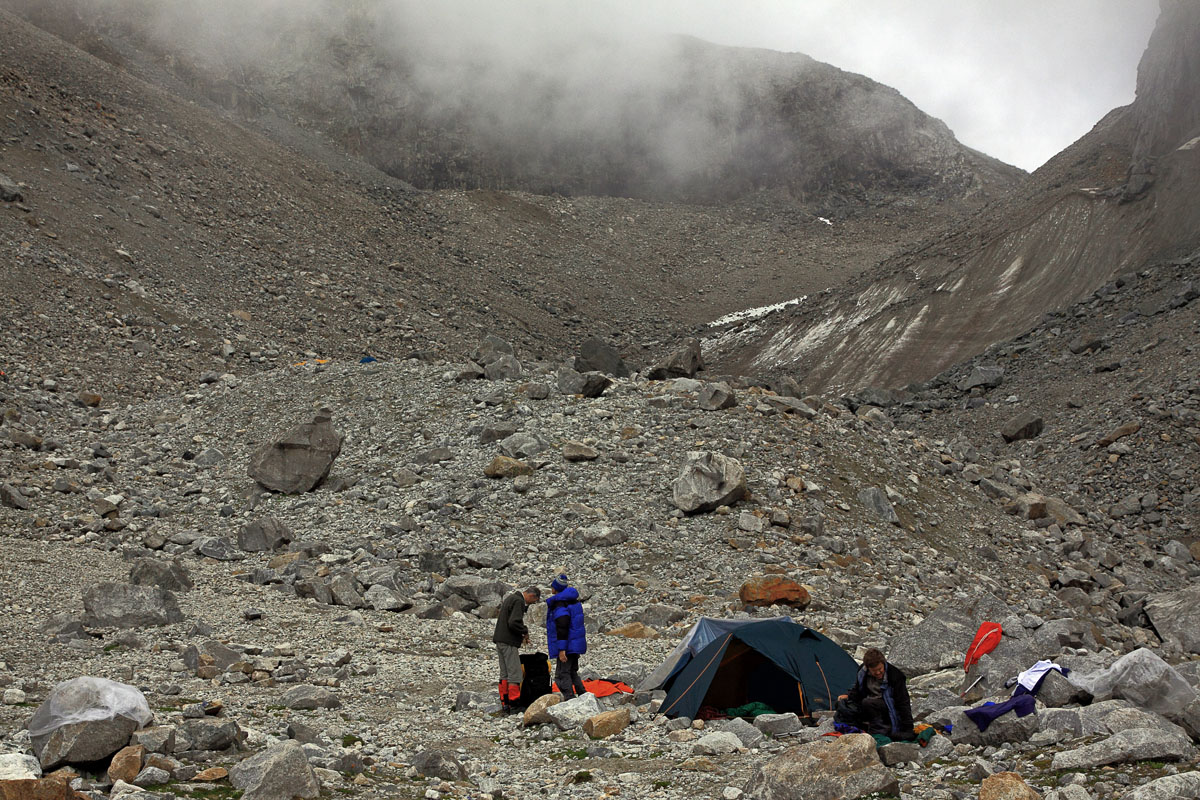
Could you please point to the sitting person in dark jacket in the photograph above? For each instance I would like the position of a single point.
(878, 702)
(566, 638)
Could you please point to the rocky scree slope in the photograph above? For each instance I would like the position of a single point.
(662, 118)
(1116, 201)
(1108, 391)
(298, 642)
(155, 240)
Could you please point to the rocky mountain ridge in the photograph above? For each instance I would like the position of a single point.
(1117, 200)
(658, 119)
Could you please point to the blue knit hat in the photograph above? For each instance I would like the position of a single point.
(559, 583)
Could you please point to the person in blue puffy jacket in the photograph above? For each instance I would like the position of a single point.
(566, 638)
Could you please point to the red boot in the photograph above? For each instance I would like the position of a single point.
(514, 696)
(504, 696)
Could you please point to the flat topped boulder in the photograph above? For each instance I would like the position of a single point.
(124, 605)
(846, 768)
(301, 459)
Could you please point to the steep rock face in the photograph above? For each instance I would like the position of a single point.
(1168, 106)
(1119, 198)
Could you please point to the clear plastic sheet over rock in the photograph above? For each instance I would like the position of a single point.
(1142, 678)
(88, 699)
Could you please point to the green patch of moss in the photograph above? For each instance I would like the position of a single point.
(662, 784)
(578, 755)
(583, 776)
(349, 740)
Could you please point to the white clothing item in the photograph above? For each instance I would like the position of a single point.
(1030, 677)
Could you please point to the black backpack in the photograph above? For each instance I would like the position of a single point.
(536, 667)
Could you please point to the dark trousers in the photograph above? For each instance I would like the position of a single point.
(566, 675)
(870, 716)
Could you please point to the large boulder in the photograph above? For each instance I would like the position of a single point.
(491, 348)
(1004, 729)
(717, 743)
(1006, 786)
(53, 787)
(475, 589)
(169, 575)
(439, 764)
(941, 639)
(281, 772)
(683, 363)
(1131, 744)
(716, 396)
(299, 460)
(873, 498)
(709, 480)
(770, 590)
(505, 467)
(778, 724)
(1142, 678)
(19, 767)
(523, 445)
(264, 534)
(505, 368)
(606, 723)
(986, 376)
(210, 653)
(208, 734)
(536, 714)
(847, 767)
(124, 605)
(10, 192)
(596, 355)
(574, 712)
(86, 719)
(747, 734)
(1025, 425)
(1184, 786)
(307, 697)
(1176, 617)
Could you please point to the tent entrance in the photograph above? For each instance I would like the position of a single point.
(747, 676)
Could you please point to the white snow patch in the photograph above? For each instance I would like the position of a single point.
(1191, 145)
(1009, 274)
(755, 313)
(827, 222)
(911, 329)
(784, 347)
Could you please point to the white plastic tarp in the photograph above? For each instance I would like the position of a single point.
(1142, 678)
(88, 699)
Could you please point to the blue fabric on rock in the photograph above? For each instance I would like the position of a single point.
(986, 714)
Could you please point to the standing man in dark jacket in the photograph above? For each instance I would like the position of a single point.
(566, 638)
(878, 702)
(510, 634)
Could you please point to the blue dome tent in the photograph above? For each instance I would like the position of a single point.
(728, 663)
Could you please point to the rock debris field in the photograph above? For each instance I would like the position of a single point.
(338, 640)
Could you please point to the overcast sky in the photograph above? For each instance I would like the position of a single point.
(1018, 79)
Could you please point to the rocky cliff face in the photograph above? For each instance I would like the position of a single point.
(1118, 199)
(662, 119)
